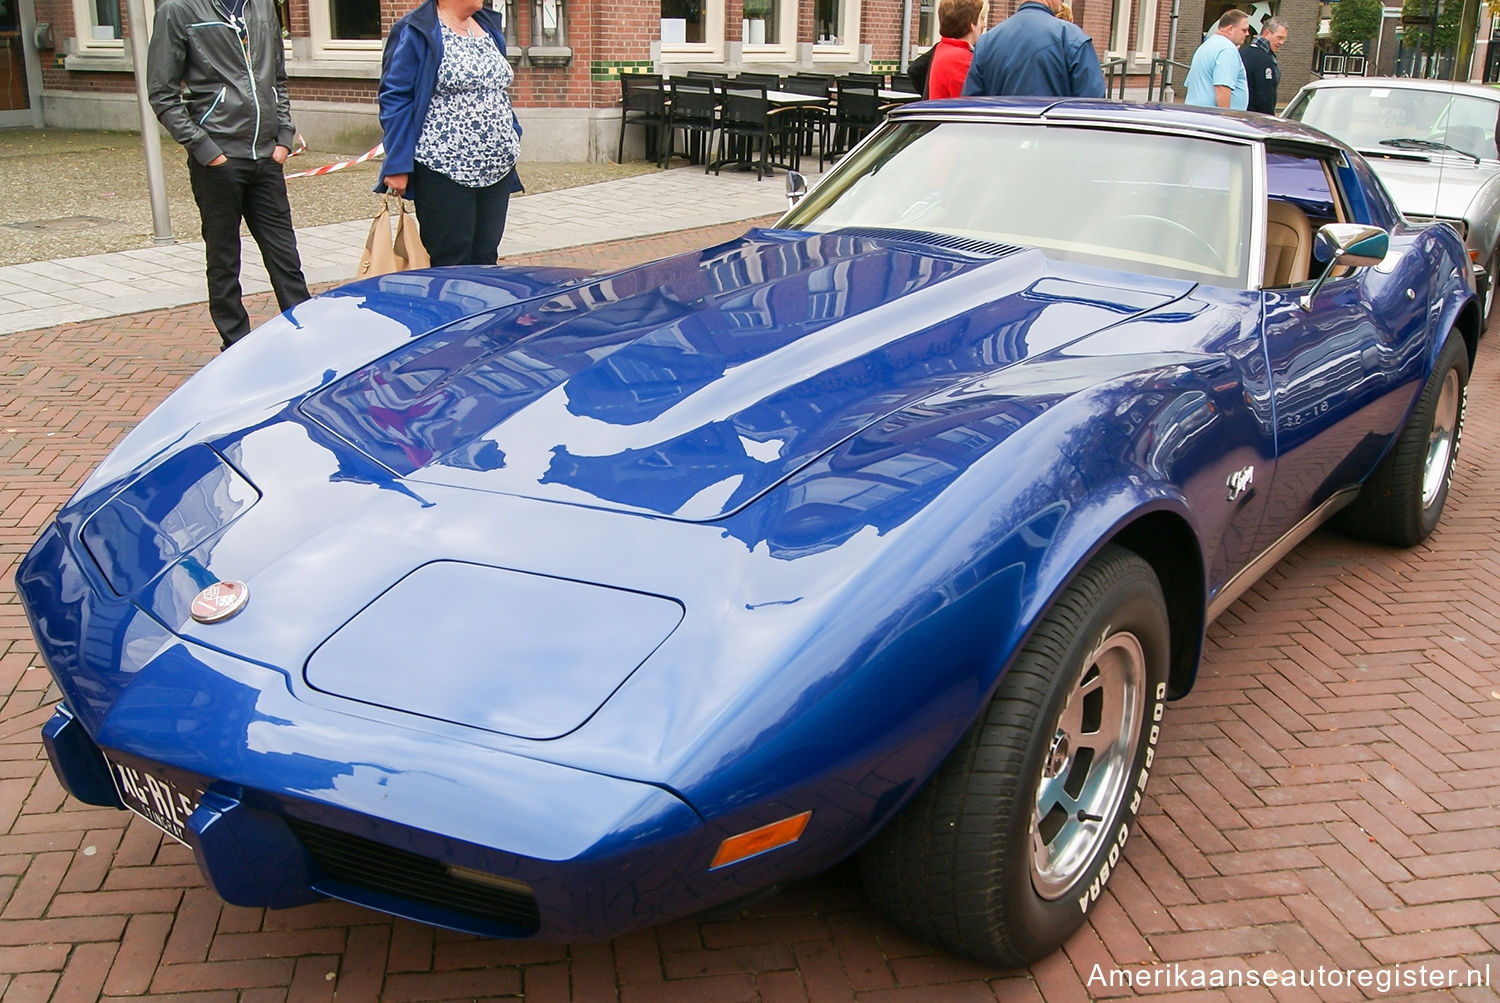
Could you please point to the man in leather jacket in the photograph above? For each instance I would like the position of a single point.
(216, 79)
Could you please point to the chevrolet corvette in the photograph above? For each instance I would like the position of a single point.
(547, 604)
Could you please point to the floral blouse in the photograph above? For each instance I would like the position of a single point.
(469, 134)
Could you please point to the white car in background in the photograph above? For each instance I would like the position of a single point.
(1433, 143)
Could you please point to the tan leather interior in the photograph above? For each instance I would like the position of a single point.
(1289, 240)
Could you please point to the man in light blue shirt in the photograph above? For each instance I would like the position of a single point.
(1216, 78)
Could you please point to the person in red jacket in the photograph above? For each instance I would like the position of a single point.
(959, 23)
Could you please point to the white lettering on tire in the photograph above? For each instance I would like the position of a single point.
(1112, 859)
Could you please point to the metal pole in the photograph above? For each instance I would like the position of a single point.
(156, 178)
(905, 35)
(1166, 71)
(1430, 70)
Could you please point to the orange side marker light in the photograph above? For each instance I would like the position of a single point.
(757, 841)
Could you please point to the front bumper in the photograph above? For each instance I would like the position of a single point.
(304, 798)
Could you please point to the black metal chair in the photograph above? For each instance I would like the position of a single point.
(769, 81)
(857, 111)
(643, 102)
(747, 131)
(694, 109)
(812, 122)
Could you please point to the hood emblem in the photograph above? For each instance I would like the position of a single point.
(220, 601)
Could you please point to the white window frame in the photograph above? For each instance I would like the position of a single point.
(709, 51)
(927, 19)
(776, 52)
(1119, 33)
(83, 21)
(848, 49)
(1145, 34)
(320, 30)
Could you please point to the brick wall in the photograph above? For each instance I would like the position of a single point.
(607, 37)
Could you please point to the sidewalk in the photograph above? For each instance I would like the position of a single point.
(70, 290)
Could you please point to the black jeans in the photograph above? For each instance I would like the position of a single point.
(255, 191)
(460, 225)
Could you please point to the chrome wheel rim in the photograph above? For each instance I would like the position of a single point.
(1086, 771)
(1440, 440)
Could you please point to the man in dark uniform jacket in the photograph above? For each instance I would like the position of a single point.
(1261, 71)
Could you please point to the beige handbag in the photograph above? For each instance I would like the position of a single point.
(379, 257)
(383, 255)
(408, 247)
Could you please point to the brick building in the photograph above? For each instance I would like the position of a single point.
(568, 54)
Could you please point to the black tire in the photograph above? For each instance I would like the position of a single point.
(958, 866)
(1403, 499)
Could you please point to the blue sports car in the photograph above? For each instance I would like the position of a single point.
(539, 603)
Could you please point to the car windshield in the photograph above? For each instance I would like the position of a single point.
(1382, 119)
(1159, 203)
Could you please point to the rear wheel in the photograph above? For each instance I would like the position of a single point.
(1006, 849)
(1403, 499)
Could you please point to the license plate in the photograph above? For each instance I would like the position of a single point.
(164, 802)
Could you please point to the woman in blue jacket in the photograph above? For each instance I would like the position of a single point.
(451, 137)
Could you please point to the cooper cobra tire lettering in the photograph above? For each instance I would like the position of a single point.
(1153, 735)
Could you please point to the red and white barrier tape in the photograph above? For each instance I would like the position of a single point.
(377, 151)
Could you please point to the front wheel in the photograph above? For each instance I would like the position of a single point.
(1004, 852)
(1401, 502)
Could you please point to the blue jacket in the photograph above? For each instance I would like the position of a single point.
(1034, 52)
(408, 75)
(1262, 75)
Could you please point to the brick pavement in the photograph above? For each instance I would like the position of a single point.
(1329, 794)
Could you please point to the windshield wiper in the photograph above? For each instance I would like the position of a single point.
(1426, 144)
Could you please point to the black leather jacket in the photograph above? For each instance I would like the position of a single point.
(217, 86)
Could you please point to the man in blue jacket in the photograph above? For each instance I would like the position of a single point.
(1262, 74)
(1035, 52)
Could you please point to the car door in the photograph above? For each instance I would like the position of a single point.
(1342, 367)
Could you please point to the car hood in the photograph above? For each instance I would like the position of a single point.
(1441, 186)
(399, 522)
(691, 386)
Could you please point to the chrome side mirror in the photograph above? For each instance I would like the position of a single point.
(796, 187)
(1353, 244)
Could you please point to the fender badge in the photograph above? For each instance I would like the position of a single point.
(220, 601)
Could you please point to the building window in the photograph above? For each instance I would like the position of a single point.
(762, 22)
(354, 19)
(927, 30)
(828, 22)
(769, 29)
(683, 22)
(693, 30)
(1145, 33)
(836, 29)
(104, 23)
(1119, 29)
(99, 26)
(345, 29)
